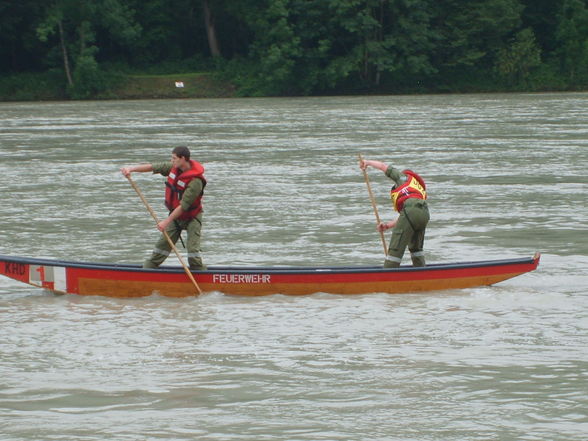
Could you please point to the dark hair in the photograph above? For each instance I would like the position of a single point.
(182, 152)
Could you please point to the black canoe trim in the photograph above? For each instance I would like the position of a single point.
(271, 269)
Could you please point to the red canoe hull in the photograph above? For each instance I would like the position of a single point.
(132, 281)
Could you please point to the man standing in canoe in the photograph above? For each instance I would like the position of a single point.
(409, 199)
(183, 198)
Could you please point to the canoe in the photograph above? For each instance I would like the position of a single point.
(123, 280)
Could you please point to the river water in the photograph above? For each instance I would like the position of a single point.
(506, 176)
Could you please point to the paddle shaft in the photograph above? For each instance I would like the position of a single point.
(374, 206)
(173, 246)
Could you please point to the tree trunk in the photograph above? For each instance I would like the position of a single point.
(64, 52)
(210, 30)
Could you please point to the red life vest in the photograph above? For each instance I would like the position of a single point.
(413, 187)
(177, 182)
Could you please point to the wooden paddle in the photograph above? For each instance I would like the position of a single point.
(164, 233)
(375, 207)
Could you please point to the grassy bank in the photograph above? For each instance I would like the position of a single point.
(50, 87)
(112, 85)
(191, 85)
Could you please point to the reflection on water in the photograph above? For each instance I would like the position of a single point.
(506, 175)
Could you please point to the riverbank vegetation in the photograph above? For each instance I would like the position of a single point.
(87, 49)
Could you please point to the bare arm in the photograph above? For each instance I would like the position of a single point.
(375, 164)
(386, 225)
(364, 164)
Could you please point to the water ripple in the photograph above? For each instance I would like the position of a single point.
(505, 174)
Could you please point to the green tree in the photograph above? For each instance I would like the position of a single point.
(19, 47)
(379, 37)
(308, 47)
(272, 51)
(515, 61)
(75, 22)
(276, 47)
(472, 32)
(572, 35)
(541, 16)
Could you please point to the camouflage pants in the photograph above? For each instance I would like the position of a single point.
(409, 232)
(162, 247)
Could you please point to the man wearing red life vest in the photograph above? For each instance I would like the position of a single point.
(183, 198)
(408, 196)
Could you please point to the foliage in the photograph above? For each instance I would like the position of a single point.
(572, 35)
(32, 86)
(473, 34)
(87, 79)
(299, 47)
(77, 23)
(516, 61)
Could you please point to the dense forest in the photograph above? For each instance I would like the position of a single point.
(298, 47)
